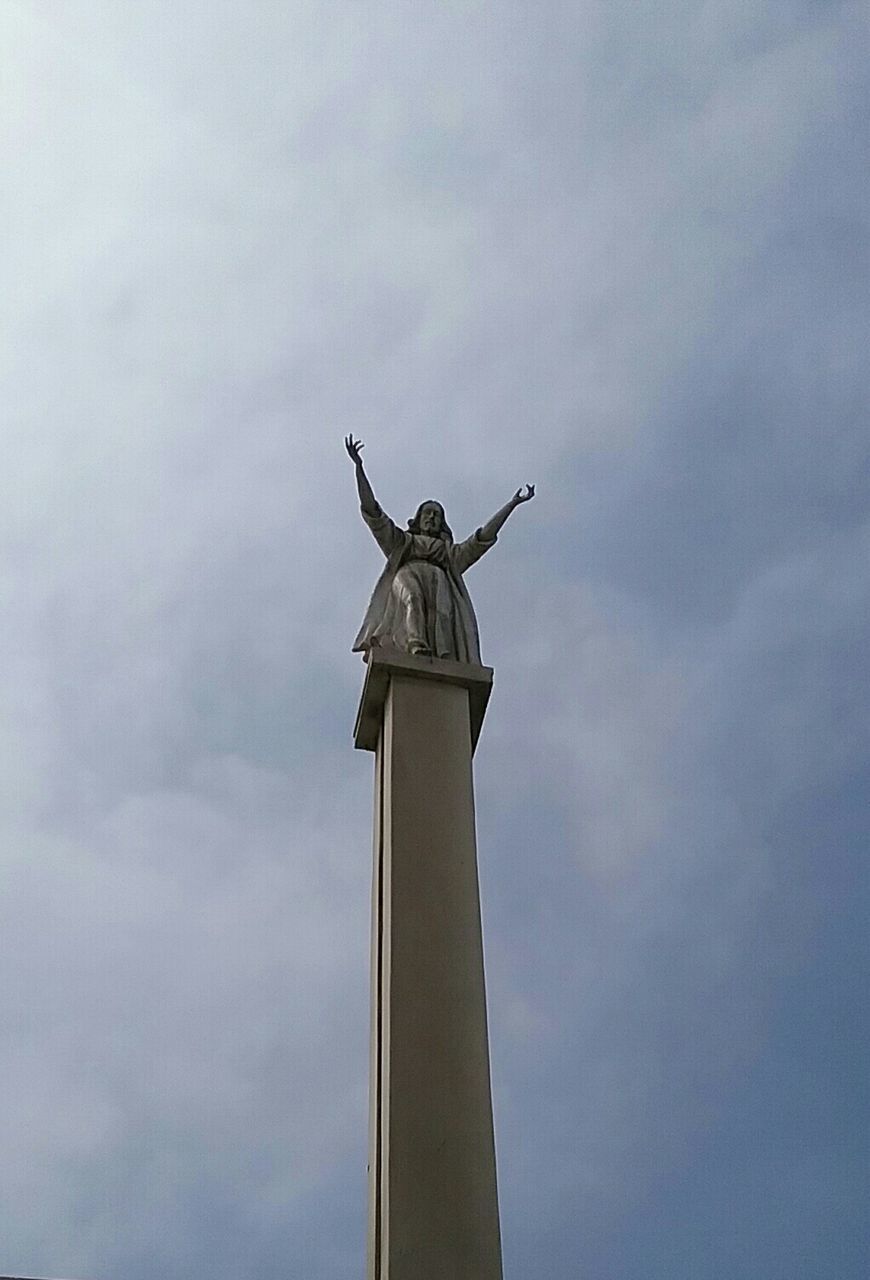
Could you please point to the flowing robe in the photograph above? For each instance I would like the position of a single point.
(420, 601)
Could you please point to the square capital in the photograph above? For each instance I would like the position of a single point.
(383, 664)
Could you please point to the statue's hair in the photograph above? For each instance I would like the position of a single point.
(414, 522)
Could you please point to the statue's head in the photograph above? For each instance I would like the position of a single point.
(429, 519)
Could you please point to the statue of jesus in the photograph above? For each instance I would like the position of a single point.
(420, 604)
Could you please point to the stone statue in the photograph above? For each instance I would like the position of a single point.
(420, 603)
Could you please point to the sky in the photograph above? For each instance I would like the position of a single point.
(616, 249)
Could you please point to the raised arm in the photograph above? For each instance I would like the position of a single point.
(490, 530)
(469, 552)
(367, 499)
(387, 535)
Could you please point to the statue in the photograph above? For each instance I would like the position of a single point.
(420, 603)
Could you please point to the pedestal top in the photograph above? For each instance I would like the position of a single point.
(384, 664)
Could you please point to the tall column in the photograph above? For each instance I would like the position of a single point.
(433, 1207)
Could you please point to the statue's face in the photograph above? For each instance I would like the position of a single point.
(431, 519)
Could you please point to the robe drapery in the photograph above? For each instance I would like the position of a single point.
(420, 602)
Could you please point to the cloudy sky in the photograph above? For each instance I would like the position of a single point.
(614, 247)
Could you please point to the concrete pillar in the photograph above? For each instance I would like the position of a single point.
(433, 1207)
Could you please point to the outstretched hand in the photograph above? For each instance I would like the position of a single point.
(353, 448)
(519, 496)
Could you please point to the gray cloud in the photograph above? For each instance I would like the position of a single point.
(617, 249)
